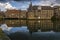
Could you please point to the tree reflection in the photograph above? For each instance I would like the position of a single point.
(56, 26)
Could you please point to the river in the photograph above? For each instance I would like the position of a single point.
(34, 30)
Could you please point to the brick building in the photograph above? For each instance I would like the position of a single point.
(12, 13)
(2, 15)
(57, 11)
(23, 14)
(47, 12)
(40, 12)
(15, 13)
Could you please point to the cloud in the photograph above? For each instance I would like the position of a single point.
(58, 1)
(47, 3)
(9, 6)
(26, 0)
(4, 1)
(17, 0)
(18, 4)
(4, 6)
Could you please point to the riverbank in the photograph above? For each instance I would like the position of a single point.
(3, 36)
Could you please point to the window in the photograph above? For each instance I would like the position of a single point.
(9, 15)
(12, 14)
(17, 16)
(38, 17)
(39, 10)
(39, 7)
(12, 22)
(21, 16)
(59, 8)
(31, 15)
(17, 21)
(39, 21)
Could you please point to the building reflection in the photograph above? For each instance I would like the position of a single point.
(34, 25)
(15, 23)
(12, 23)
(43, 25)
(23, 22)
(1, 21)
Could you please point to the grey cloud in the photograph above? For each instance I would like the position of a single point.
(26, 0)
(58, 1)
(17, 0)
(5, 1)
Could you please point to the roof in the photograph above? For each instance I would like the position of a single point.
(35, 7)
(47, 8)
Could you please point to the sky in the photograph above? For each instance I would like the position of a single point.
(24, 4)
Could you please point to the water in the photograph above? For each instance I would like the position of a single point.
(32, 30)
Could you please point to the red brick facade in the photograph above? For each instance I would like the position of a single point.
(12, 13)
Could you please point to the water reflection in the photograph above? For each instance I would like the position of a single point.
(15, 23)
(32, 29)
(56, 26)
(34, 25)
(43, 25)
